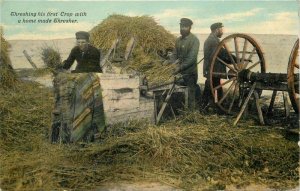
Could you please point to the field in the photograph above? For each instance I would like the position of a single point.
(196, 151)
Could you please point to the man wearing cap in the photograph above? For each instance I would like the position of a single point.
(210, 45)
(87, 56)
(186, 52)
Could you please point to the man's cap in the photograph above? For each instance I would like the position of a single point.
(216, 26)
(82, 35)
(186, 22)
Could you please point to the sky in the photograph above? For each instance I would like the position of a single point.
(253, 17)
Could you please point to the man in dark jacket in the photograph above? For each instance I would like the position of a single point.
(210, 45)
(87, 56)
(186, 51)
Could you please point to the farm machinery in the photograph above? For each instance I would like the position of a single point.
(88, 102)
(245, 77)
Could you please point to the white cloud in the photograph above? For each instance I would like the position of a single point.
(201, 25)
(279, 23)
(238, 16)
(133, 14)
(172, 13)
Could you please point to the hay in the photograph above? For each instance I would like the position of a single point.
(8, 78)
(51, 58)
(151, 38)
(193, 152)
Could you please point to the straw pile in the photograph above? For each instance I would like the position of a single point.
(193, 151)
(151, 38)
(8, 77)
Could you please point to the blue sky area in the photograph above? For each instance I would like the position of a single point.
(259, 17)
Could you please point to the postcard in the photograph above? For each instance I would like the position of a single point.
(149, 95)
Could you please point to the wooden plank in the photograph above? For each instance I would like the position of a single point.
(120, 104)
(244, 105)
(274, 86)
(287, 106)
(270, 108)
(115, 95)
(104, 76)
(260, 115)
(145, 111)
(29, 59)
(119, 83)
(165, 103)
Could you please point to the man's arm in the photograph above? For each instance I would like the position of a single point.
(207, 50)
(70, 60)
(226, 57)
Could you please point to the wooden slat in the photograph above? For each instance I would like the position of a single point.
(81, 117)
(115, 95)
(145, 111)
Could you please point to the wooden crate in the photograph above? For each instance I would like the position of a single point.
(122, 100)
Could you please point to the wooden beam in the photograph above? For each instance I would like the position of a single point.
(29, 59)
(244, 105)
(260, 115)
(270, 109)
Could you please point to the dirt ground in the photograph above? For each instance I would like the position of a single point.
(154, 186)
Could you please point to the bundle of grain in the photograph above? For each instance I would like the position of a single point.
(51, 58)
(151, 38)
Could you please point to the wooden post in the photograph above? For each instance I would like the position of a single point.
(260, 115)
(186, 98)
(286, 104)
(245, 104)
(129, 48)
(164, 105)
(29, 59)
(270, 109)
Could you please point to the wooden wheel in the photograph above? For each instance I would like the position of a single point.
(243, 53)
(293, 82)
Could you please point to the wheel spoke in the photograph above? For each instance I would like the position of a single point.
(252, 52)
(244, 50)
(227, 93)
(233, 98)
(250, 57)
(219, 86)
(236, 50)
(223, 62)
(230, 56)
(258, 62)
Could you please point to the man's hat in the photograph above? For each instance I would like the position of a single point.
(82, 35)
(216, 26)
(186, 22)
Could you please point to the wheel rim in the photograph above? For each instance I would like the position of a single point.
(244, 48)
(293, 83)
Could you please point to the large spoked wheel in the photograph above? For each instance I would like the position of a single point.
(243, 53)
(293, 82)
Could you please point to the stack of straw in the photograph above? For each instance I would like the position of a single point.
(151, 38)
(194, 152)
(8, 76)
